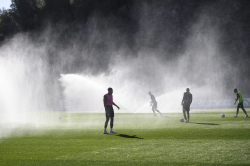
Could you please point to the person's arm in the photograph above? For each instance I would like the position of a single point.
(191, 98)
(104, 100)
(236, 98)
(116, 105)
(182, 99)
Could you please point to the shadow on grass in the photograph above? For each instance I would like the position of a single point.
(204, 123)
(127, 136)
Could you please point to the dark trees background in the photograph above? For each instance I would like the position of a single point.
(34, 15)
(172, 20)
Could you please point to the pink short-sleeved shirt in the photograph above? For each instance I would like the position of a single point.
(109, 100)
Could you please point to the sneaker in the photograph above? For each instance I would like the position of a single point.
(105, 132)
(186, 121)
(246, 116)
(154, 114)
(111, 131)
(235, 116)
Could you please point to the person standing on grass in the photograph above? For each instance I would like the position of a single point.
(240, 103)
(154, 102)
(186, 102)
(109, 111)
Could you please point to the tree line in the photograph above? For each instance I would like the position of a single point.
(29, 15)
(137, 23)
(170, 18)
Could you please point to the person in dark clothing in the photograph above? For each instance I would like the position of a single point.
(109, 111)
(240, 103)
(186, 102)
(153, 102)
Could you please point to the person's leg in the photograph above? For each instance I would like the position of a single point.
(106, 122)
(111, 124)
(188, 109)
(105, 125)
(184, 113)
(112, 114)
(244, 110)
(158, 111)
(242, 107)
(237, 111)
(155, 107)
(153, 110)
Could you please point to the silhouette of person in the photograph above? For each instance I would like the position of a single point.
(109, 111)
(153, 102)
(240, 103)
(186, 102)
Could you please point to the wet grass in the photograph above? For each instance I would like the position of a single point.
(141, 139)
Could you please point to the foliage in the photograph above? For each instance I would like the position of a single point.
(7, 26)
(26, 13)
(32, 15)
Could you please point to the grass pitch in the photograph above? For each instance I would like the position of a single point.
(141, 139)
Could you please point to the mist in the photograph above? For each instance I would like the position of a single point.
(41, 72)
(199, 67)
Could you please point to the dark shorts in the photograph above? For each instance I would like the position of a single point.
(240, 105)
(109, 111)
(154, 105)
(186, 107)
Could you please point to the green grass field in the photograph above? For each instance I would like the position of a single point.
(141, 139)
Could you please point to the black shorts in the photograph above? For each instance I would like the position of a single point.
(109, 111)
(186, 106)
(154, 105)
(240, 105)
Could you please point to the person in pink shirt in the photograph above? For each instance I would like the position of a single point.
(109, 111)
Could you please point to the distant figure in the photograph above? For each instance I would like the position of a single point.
(186, 102)
(109, 111)
(240, 103)
(154, 102)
